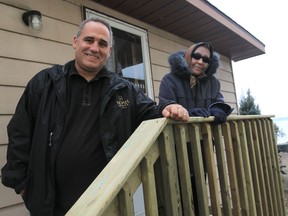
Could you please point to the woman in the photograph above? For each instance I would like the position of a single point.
(192, 83)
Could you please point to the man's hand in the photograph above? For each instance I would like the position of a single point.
(175, 112)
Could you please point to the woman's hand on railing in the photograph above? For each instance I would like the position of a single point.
(175, 112)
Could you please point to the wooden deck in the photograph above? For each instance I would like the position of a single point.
(242, 165)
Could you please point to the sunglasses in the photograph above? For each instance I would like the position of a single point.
(198, 56)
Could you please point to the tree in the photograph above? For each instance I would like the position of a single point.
(278, 132)
(248, 106)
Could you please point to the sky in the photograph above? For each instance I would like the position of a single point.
(266, 75)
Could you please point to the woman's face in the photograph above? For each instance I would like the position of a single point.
(200, 60)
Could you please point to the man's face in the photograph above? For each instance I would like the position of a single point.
(92, 48)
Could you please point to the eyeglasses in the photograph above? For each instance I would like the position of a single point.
(198, 56)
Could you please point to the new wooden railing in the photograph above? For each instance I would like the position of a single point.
(242, 164)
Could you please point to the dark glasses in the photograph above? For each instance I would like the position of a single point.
(198, 56)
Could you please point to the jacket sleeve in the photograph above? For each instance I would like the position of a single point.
(218, 97)
(167, 91)
(14, 173)
(147, 108)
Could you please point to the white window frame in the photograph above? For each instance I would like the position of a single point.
(144, 43)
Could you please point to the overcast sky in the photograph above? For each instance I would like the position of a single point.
(265, 75)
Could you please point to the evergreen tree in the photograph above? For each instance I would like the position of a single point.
(248, 106)
(278, 132)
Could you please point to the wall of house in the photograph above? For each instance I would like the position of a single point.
(25, 52)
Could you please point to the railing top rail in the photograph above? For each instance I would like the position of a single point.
(229, 118)
(106, 186)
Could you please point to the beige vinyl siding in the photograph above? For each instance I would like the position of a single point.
(9, 98)
(4, 119)
(159, 72)
(16, 210)
(161, 46)
(36, 50)
(24, 52)
(16, 72)
(10, 202)
(10, 197)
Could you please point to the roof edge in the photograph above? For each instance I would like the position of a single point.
(225, 20)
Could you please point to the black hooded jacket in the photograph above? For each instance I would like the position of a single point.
(35, 131)
(175, 86)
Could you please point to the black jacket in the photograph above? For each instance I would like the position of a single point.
(175, 86)
(35, 131)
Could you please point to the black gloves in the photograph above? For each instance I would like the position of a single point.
(219, 115)
(220, 111)
(199, 112)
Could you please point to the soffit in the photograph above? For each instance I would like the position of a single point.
(195, 20)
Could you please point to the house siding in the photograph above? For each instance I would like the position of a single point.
(24, 52)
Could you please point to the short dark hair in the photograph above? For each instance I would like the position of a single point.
(95, 19)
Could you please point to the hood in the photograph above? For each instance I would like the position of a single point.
(180, 67)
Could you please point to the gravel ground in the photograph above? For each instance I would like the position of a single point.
(284, 162)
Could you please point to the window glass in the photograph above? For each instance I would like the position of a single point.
(130, 56)
(126, 59)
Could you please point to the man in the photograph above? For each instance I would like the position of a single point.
(70, 121)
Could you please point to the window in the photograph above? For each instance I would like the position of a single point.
(130, 56)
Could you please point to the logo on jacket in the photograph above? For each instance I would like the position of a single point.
(123, 104)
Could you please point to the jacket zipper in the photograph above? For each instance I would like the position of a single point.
(50, 139)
